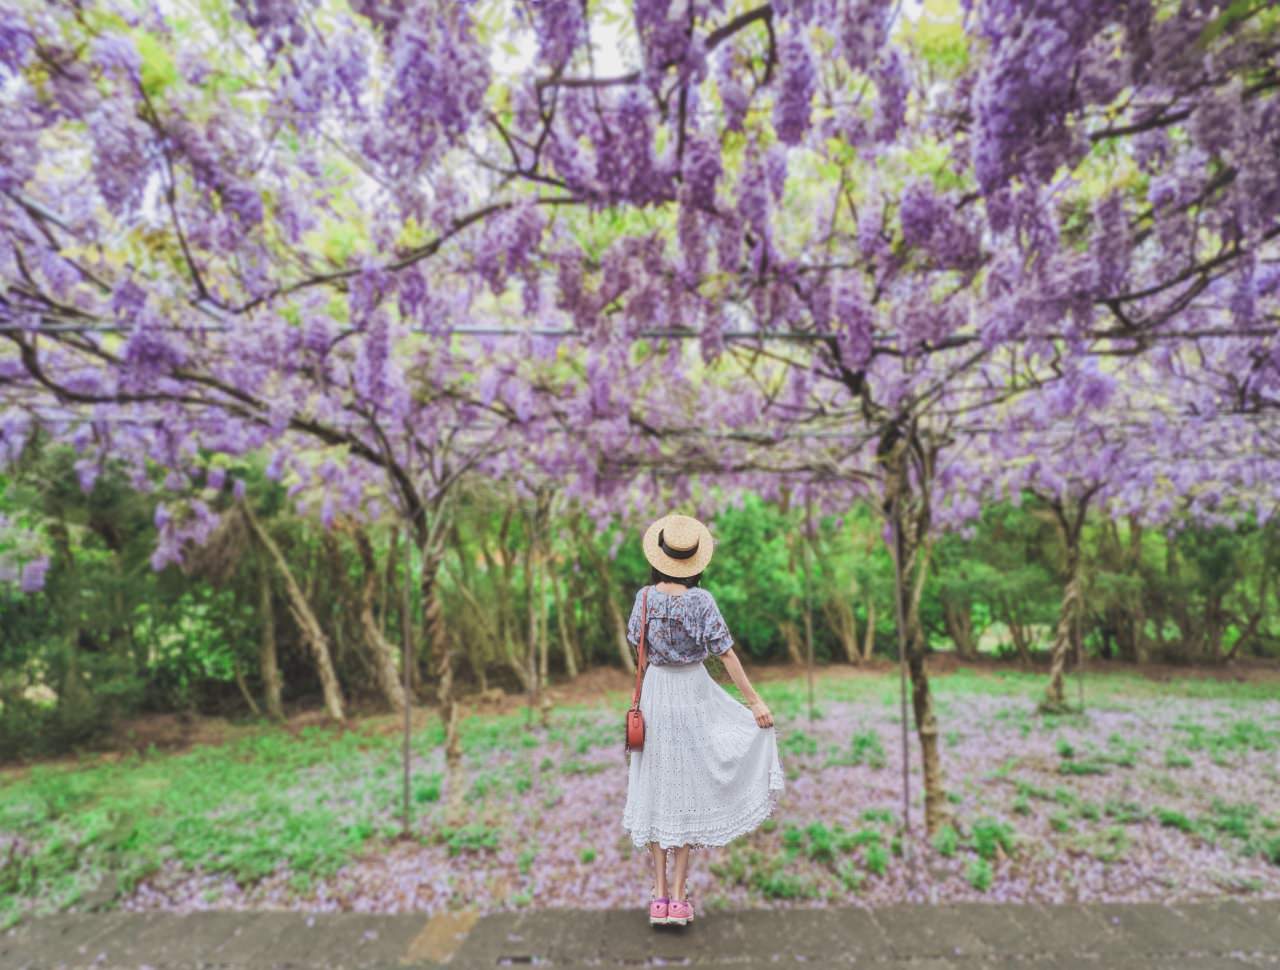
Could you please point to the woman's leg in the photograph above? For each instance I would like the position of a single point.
(659, 855)
(682, 869)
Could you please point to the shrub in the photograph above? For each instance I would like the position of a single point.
(979, 874)
(947, 840)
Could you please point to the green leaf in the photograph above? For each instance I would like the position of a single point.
(158, 69)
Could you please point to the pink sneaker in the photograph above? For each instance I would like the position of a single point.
(658, 911)
(679, 911)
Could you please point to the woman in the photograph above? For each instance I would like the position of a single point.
(708, 771)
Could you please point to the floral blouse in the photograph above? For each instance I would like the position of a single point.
(683, 628)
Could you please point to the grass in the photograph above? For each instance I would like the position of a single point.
(265, 801)
(305, 804)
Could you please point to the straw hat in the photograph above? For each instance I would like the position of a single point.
(678, 545)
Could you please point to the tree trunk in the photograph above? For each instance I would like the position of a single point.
(574, 595)
(1055, 698)
(531, 642)
(805, 551)
(335, 604)
(521, 670)
(617, 622)
(244, 687)
(910, 520)
(441, 652)
(563, 628)
(1018, 633)
(791, 637)
(839, 614)
(503, 583)
(959, 623)
(542, 558)
(1070, 525)
(478, 648)
(382, 652)
(268, 666)
(869, 635)
(1141, 642)
(388, 580)
(312, 633)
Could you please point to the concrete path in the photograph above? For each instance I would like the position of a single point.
(1217, 935)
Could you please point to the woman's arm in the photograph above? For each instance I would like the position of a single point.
(764, 717)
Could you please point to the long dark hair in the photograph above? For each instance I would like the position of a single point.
(656, 576)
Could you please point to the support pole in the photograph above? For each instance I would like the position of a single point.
(408, 695)
(896, 549)
(807, 551)
(1079, 656)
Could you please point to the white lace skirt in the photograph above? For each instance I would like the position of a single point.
(707, 773)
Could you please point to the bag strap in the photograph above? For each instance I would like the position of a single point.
(640, 665)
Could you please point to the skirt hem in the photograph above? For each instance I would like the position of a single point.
(669, 839)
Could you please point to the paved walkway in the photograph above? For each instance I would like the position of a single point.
(1218, 935)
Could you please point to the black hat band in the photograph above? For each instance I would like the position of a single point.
(676, 553)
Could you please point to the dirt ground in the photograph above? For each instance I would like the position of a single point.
(179, 732)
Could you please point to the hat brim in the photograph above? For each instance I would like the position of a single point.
(668, 565)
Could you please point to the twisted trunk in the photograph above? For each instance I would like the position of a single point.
(304, 617)
(902, 451)
(440, 650)
(1065, 637)
(959, 623)
(382, 652)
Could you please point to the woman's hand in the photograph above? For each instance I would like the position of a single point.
(760, 710)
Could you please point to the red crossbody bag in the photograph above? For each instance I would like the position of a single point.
(635, 720)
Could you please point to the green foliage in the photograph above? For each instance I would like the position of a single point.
(876, 859)
(947, 840)
(1222, 743)
(1173, 758)
(797, 742)
(990, 833)
(1174, 819)
(472, 837)
(1271, 850)
(1129, 813)
(776, 884)
(755, 584)
(524, 861)
(979, 874)
(851, 877)
(428, 790)
(109, 638)
(574, 767)
(864, 748)
(1093, 767)
(1235, 819)
(247, 808)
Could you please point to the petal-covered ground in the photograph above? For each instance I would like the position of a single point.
(1157, 791)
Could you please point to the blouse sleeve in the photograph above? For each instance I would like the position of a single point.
(633, 624)
(715, 632)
